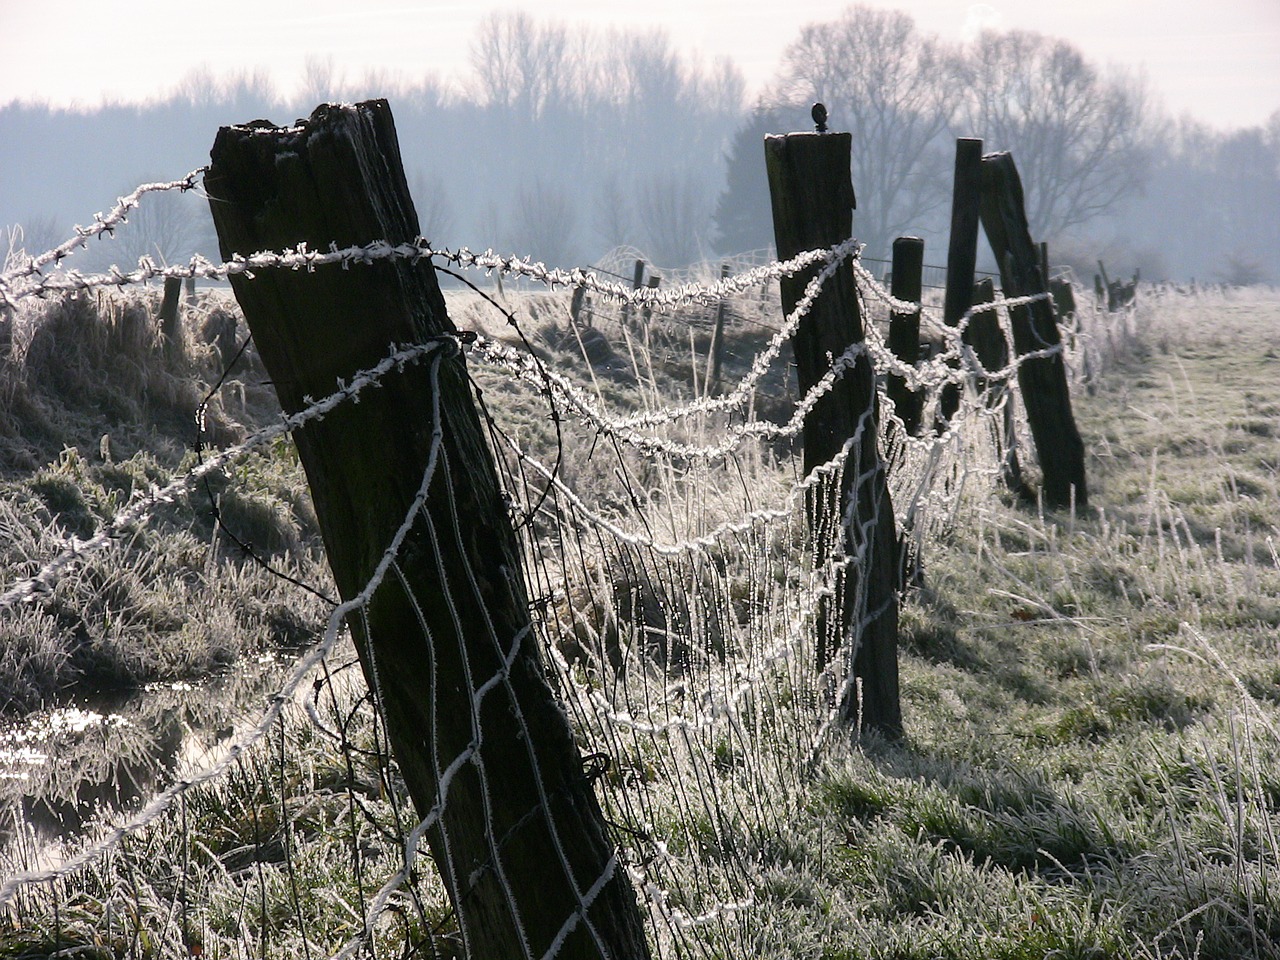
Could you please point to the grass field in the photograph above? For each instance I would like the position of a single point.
(1091, 767)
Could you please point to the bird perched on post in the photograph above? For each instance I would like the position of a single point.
(819, 114)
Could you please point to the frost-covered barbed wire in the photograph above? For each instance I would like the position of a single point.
(145, 503)
(102, 223)
(302, 257)
(305, 666)
(698, 544)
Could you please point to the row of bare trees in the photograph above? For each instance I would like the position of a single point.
(563, 141)
(1079, 132)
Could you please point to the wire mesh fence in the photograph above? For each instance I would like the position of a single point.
(674, 584)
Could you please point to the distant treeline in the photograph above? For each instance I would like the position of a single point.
(564, 141)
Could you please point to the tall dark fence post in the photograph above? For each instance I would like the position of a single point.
(992, 350)
(520, 837)
(813, 202)
(1043, 380)
(962, 253)
(904, 329)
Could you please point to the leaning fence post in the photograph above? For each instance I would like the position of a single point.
(962, 254)
(813, 201)
(904, 330)
(992, 350)
(446, 641)
(1043, 379)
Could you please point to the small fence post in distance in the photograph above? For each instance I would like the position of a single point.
(904, 329)
(338, 178)
(1043, 380)
(170, 330)
(812, 199)
(647, 312)
(637, 281)
(575, 305)
(717, 337)
(962, 254)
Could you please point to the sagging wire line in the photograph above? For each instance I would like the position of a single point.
(302, 669)
(215, 510)
(302, 257)
(146, 502)
(544, 374)
(103, 223)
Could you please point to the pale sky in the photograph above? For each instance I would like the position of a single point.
(1217, 61)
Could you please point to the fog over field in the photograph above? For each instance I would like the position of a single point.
(398, 600)
(562, 137)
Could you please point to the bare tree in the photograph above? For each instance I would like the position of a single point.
(524, 66)
(435, 211)
(613, 214)
(890, 87)
(167, 227)
(675, 214)
(543, 222)
(1078, 135)
(321, 82)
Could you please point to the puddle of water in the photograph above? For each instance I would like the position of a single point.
(65, 768)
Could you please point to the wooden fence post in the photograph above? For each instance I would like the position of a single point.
(170, 330)
(904, 329)
(992, 350)
(647, 311)
(812, 199)
(717, 338)
(575, 305)
(637, 280)
(520, 837)
(1043, 380)
(962, 254)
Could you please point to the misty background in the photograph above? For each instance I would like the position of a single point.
(564, 141)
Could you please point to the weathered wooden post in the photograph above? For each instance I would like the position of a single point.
(717, 337)
(170, 331)
(446, 642)
(813, 201)
(1043, 380)
(904, 329)
(992, 350)
(647, 312)
(962, 254)
(575, 305)
(637, 280)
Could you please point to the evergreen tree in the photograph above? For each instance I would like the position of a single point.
(743, 219)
